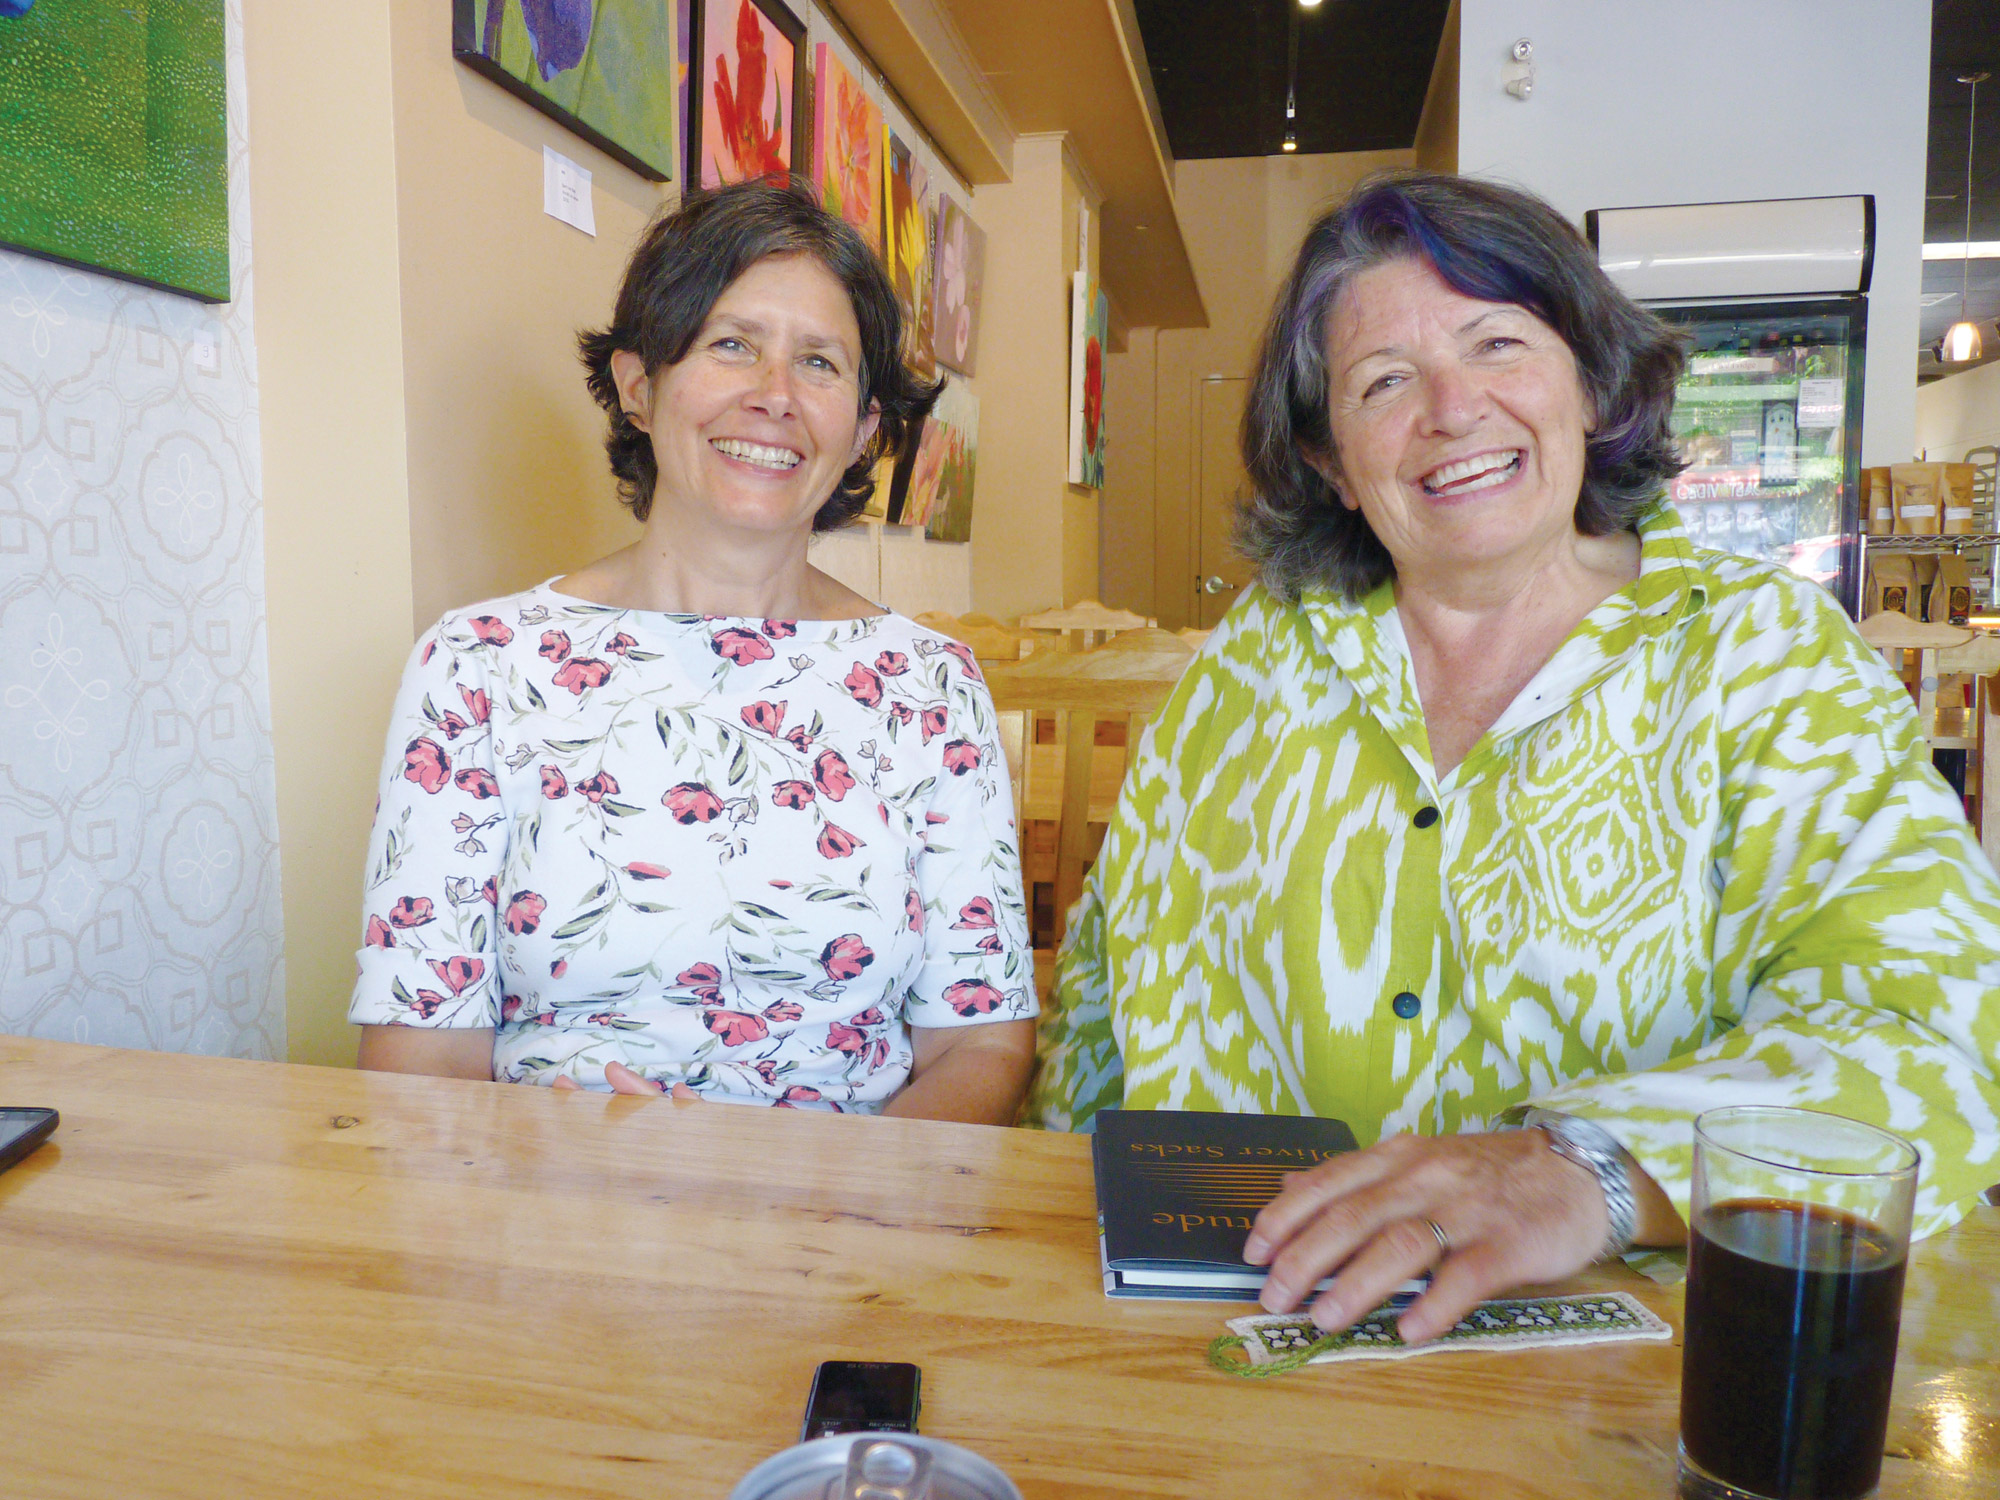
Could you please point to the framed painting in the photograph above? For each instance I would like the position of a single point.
(748, 83)
(956, 416)
(936, 473)
(847, 134)
(603, 69)
(906, 195)
(114, 135)
(959, 272)
(1089, 330)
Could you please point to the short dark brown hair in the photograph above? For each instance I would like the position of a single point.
(686, 259)
(1495, 243)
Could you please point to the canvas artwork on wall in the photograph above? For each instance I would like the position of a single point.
(847, 134)
(877, 507)
(934, 480)
(956, 279)
(907, 197)
(1089, 329)
(113, 139)
(956, 420)
(749, 85)
(603, 69)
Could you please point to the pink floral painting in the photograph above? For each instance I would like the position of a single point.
(847, 141)
(956, 278)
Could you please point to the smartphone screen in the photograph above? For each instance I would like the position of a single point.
(21, 1130)
(862, 1396)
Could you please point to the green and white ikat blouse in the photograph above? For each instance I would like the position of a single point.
(1702, 859)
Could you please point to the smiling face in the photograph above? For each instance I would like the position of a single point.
(754, 426)
(1459, 425)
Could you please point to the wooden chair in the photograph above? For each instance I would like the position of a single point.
(992, 643)
(1085, 625)
(1942, 651)
(1068, 725)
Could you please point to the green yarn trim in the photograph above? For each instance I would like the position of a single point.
(1220, 1348)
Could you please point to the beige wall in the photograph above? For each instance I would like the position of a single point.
(337, 544)
(1959, 412)
(1242, 218)
(1024, 496)
(1436, 146)
(1125, 548)
(507, 481)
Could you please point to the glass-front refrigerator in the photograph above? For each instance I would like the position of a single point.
(1768, 422)
(1774, 296)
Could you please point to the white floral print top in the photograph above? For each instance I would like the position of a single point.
(741, 854)
(1701, 859)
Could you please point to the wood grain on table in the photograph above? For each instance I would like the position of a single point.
(236, 1279)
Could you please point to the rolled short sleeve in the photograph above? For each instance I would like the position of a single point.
(430, 941)
(978, 965)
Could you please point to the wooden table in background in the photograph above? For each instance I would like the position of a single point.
(229, 1279)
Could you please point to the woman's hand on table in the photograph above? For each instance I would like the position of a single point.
(624, 1081)
(1515, 1213)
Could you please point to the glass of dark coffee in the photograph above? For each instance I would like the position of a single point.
(1798, 1237)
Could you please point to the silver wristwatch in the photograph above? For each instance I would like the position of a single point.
(1597, 1151)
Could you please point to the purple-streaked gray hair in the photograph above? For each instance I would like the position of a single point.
(1494, 243)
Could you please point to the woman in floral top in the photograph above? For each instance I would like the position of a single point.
(1499, 803)
(697, 817)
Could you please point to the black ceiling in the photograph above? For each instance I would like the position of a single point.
(1965, 38)
(1219, 69)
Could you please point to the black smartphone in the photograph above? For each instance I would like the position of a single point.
(852, 1395)
(21, 1130)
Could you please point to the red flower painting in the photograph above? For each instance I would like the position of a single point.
(744, 136)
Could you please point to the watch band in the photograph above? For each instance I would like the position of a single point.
(1597, 1151)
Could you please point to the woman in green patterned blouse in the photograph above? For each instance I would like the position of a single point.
(1498, 803)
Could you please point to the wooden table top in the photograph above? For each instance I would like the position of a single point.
(234, 1279)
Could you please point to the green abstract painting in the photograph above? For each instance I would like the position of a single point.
(113, 143)
(604, 68)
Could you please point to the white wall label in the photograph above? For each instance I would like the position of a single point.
(566, 191)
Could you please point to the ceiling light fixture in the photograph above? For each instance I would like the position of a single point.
(1962, 343)
(1291, 140)
(1308, 4)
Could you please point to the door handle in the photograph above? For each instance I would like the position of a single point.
(1215, 585)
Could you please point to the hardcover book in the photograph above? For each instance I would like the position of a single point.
(1177, 1191)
